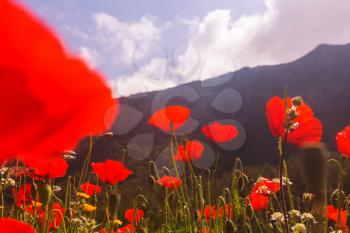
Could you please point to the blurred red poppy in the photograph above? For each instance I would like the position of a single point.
(23, 195)
(50, 100)
(36, 209)
(343, 141)
(111, 171)
(169, 182)
(57, 212)
(258, 202)
(332, 214)
(212, 212)
(90, 189)
(129, 228)
(9, 225)
(307, 128)
(47, 168)
(192, 150)
(220, 133)
(170, 118)
(134, 216)
(265, 186)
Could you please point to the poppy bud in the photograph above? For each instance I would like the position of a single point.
(151, 181)
(45, 193)
(297, 101)
(166, 171)
(114, 201)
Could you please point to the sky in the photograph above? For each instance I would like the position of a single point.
(140, 46)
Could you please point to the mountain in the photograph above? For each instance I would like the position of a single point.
(321, 77)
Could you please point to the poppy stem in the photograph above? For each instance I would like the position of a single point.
(284, 206)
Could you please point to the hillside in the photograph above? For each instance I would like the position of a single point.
(322, 77)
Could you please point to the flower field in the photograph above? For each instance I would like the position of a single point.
(52, 100)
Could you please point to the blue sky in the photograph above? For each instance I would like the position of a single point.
(141, 46)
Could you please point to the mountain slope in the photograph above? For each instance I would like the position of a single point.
(321, 77)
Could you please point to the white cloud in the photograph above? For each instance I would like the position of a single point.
(149, 77)
(286, 30)
(88, 55)
(131, 52)
(128, 41)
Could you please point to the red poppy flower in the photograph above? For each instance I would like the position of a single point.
(47, 168)
(170, 118)
(192, 150)
(131, 216)
(23, 195)
(170, 182)
(129, 228)
(111, 171)
(258, 202)
(214, 212)
(56, 210)
(90, 189)
(308, 129)
(9, 225)
(220, 133)
(50, 100)
(265, 186)
(332, 214)
(343, 141)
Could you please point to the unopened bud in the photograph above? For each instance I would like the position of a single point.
(45, 193)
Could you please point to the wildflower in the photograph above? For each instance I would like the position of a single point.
(117, 222)
(299, 228)
(191, 150)
(285, 180)
(83, 195)
(304, 127)
(23, 194)
(212, 212)
(170, 182)
(265, 186)
(47, 168)
(88, 208)
(308, 196)
(343, 141)
(56, 210)
(170, 118)
(111, 171)
(258, 202)
(220, 133)
(278, 217)
(50, 99)
(308, 217)
(295, 213)
(8, 225)
(129, 228)
(8, 181)
(90, 189)
(332, 214)
(134, 216)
